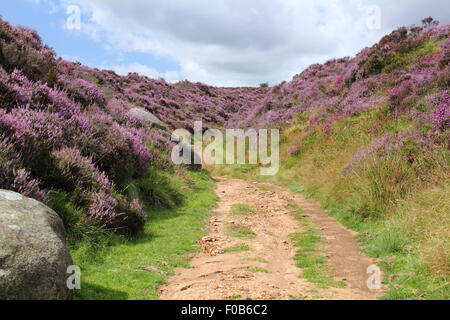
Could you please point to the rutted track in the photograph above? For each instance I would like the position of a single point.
(215, 274)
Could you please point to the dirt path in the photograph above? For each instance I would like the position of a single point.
(267, 270)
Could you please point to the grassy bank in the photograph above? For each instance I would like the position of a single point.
(398, 203)
(135, 268)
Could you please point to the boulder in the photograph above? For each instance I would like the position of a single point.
(149, 117)
(154, 121)
(33, 255)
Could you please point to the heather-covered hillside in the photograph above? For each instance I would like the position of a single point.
(68, 139)
(406, 71)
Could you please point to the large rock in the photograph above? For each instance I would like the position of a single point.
(149, 117)
(33, 256)
(154, 121)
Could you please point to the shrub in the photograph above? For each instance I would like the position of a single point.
(399, 94)
(157, 191)
(88, 186)
(21, 48)
(82, 91)
(130, 218)
(440, 117)
(15, 178)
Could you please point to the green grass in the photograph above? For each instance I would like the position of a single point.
(403, 60)
(296, 298)
(264, 188)
(241, 209)
(118, 271)
(258, 270)
(237, 248)
(260, 260)
(406, 274)
(310, 258)
(240, 232)
(295, 187)
(157, 189)
(77, 229)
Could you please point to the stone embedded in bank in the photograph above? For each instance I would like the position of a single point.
(33, 255)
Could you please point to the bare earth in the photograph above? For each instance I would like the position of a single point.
(214, 274)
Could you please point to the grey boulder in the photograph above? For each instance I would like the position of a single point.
(154, 121)
(149, 117)
(33, 255)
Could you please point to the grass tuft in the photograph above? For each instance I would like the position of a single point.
(237, 248)
(240, 232)
(264, 188)
(241, 209)
(258, 270)
(258, 259)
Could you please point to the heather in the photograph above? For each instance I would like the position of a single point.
(63, 136)
(406, 71)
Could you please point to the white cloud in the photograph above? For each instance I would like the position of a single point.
(246, 42)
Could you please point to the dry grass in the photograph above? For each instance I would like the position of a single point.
(404, 208)
(426, 217)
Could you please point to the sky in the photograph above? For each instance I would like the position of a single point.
(220, 42)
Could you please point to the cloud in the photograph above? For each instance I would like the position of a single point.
(236, 43)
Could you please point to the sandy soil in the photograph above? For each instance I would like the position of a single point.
(214, 274)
